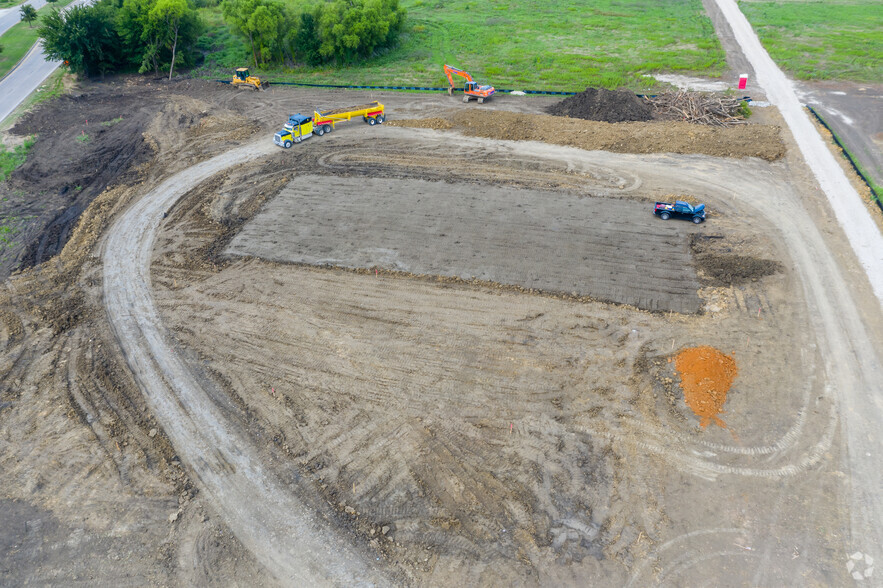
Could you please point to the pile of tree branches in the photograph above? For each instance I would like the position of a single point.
(695, 107)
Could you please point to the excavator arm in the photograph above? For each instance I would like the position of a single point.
(451, 72)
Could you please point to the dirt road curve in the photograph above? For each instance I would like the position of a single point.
(289, 538)
(852, 367)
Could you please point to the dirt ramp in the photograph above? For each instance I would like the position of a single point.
(603, 105)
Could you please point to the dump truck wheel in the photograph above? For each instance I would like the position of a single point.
(381, 118)
(288, 144)
(328, 128)
(664, 216)
(372, 121)
(320, 130)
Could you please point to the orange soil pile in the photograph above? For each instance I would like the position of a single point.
(706, 377)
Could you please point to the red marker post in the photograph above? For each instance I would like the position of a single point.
(743, 81)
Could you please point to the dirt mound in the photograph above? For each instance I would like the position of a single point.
(603, 105)
(706, 377)
(717, 265)
(634, 137)
(422, 123)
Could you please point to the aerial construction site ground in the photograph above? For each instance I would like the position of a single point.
(445, 350)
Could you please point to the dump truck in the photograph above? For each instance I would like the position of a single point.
(300, 127)
(680, 209)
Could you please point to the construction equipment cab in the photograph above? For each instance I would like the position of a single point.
(298, 128)
(471, 89)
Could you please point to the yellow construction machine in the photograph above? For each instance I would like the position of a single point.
(241, 79)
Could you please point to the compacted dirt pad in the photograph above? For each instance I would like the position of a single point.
(606, 249)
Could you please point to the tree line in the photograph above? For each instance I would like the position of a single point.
(160, 35)
(123, 35)
(341, 31)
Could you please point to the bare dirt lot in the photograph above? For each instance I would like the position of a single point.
(446, 357)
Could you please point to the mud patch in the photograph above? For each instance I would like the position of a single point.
(603, 105)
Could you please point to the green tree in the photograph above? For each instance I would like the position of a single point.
(353, 29)
(170, 18)
(28, 13)
(140, 40)
(306, 41)
(264, 23)
(157, 33)
(84, 37)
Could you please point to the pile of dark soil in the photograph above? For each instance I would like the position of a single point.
(603, 105)
(717, 265)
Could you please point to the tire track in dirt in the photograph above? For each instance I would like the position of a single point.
(287, 536)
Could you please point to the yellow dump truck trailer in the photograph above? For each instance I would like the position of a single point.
(300, 127)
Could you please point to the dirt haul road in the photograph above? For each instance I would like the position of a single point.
(351, 403)
(287, 536)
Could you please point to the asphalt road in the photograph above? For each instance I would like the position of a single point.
(855, 115)
(30, 73)
(24, 80)
(9, 17)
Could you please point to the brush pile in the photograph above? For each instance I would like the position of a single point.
(695, 107)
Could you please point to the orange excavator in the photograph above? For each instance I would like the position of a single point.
(472, 89)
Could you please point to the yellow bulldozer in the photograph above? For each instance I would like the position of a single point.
(242, 79)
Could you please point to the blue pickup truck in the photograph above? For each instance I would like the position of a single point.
(680, 209)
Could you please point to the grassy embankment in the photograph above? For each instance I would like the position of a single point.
(833, 40)
(517, 44)
(20, 38)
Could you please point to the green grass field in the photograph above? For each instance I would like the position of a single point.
(20, 38)
(517, 44)
(831, 40)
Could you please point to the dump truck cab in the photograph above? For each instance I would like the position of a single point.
(298, 128)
